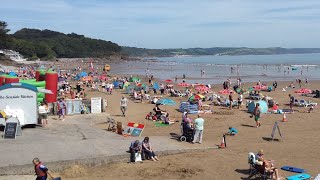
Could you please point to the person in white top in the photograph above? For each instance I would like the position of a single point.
(240, 99)
(198, 123)
(111, 88)
(43, 114)
(123, 105)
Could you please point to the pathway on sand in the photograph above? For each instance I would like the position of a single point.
(74, 139)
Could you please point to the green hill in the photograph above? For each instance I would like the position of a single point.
(47, 43)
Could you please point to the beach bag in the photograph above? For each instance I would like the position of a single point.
(137, 157)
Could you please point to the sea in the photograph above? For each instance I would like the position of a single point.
(217, 69)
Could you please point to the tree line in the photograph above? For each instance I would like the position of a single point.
(47, 44)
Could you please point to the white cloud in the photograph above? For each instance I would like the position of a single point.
(179, 23)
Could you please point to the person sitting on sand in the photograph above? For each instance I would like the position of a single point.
(167, 120)
(232, 131)
(135, 147)
(158, 111)
(186, 118)
(275, 108)
(147, 149)
(149, 116)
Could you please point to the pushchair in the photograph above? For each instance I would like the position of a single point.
(187, 134)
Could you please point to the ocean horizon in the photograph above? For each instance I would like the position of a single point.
(216, 69)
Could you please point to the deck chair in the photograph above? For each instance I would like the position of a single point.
(180, 94)
(257, 170)
(302, 102)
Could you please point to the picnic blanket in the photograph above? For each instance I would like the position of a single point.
(160, 124)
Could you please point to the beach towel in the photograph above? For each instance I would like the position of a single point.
(160, 124)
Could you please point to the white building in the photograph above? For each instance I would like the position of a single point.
(13, 55)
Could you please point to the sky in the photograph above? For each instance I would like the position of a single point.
(175, 23)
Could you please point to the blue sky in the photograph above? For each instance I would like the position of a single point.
(175, 23)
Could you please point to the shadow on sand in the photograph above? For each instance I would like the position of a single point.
(246, 172)
(246, 125)
(270, 139)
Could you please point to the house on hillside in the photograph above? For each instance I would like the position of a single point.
(13, 55)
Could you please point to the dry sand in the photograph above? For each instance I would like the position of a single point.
(299, 146)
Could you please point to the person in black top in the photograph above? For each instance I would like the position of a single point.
(78, 87)
(275, 84)
(291, 101)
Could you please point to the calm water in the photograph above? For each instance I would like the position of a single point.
(218, 68)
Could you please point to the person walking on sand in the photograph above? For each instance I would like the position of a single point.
(123, 105)
(62, 107)
(240, 99)
(198, 123)
(291, 102)
(41, 170)
(257, 115)
(231, 100)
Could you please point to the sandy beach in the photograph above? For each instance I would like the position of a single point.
(298, 147)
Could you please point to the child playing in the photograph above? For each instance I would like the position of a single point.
(232, 131)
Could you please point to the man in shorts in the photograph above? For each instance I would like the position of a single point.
(123, 105)
(257, 115)
(231, 100)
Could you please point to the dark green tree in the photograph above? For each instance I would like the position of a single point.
(5, 39)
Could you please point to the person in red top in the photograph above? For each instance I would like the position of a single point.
(41, 170)
(275, 108)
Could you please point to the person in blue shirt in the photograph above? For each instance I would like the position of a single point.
(232, 131)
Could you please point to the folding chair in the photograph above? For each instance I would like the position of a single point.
(257, 170)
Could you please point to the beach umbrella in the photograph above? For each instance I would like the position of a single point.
(83, 74)
(303, 91)
(225, 91)
(12, 74)
(134, 79)
(197, 84)
(260, 87)
(166, 101)
(184, 84)
(202, 88)
(168, 80)
(197, 97)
